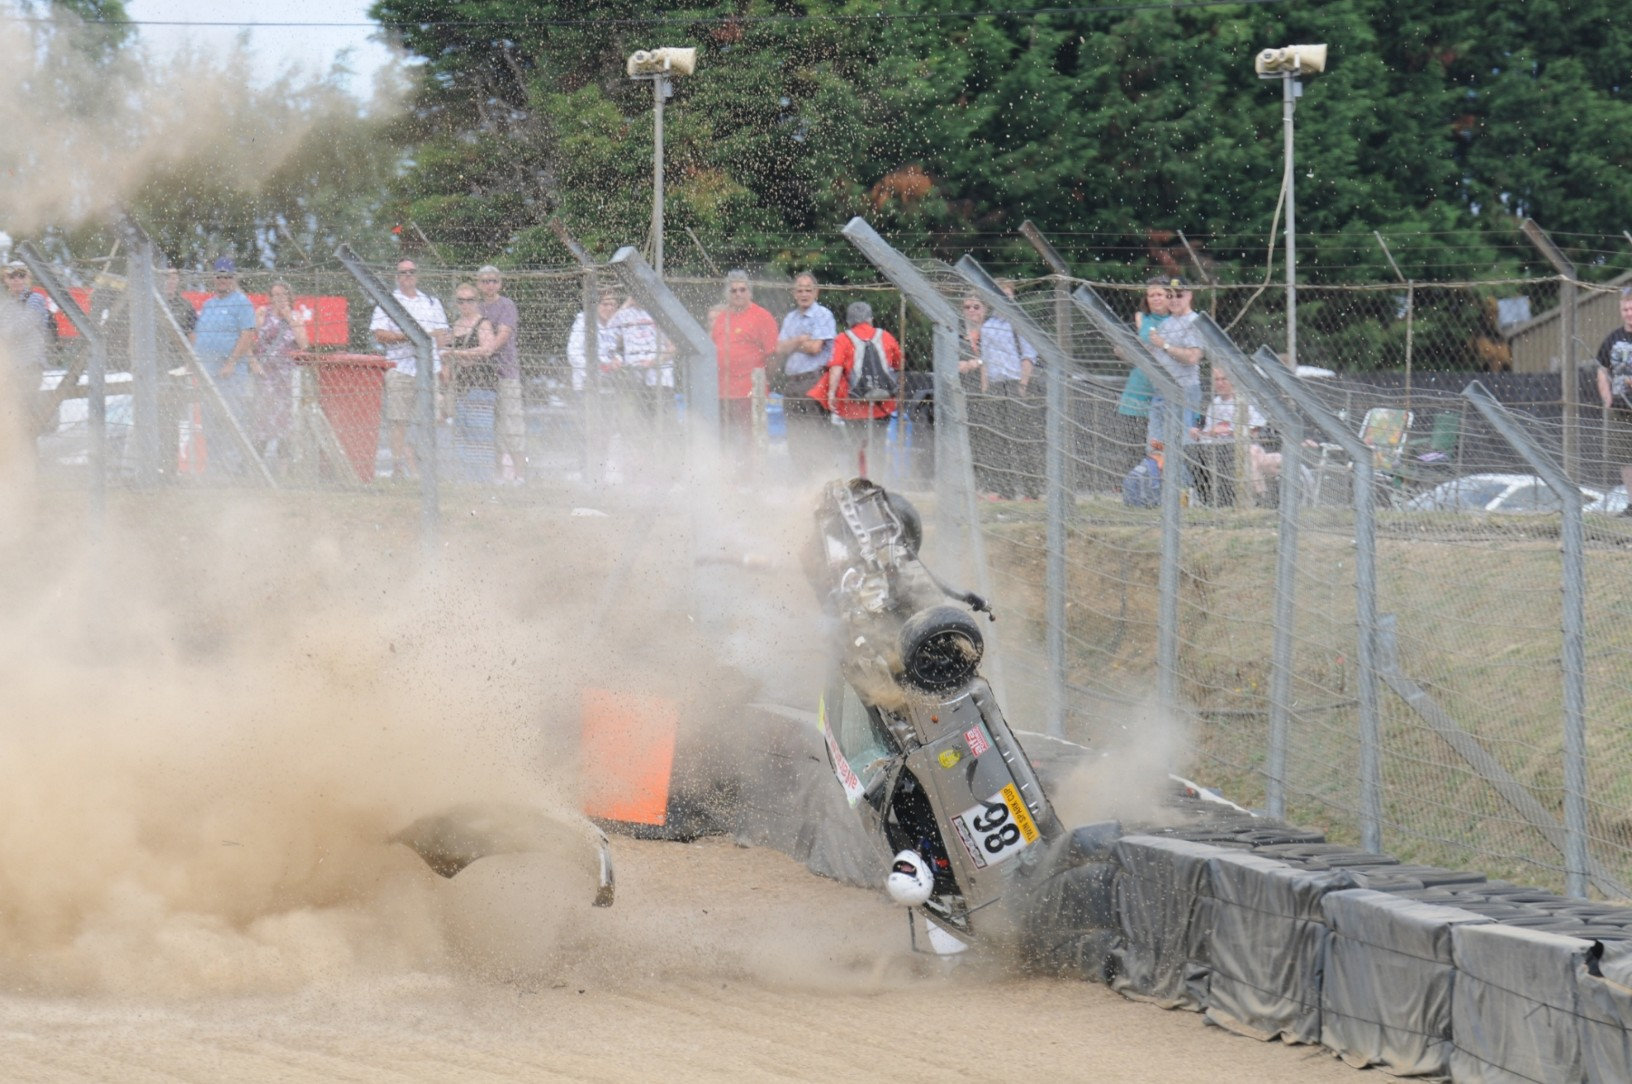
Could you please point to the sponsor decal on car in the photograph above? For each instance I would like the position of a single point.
(853, 790)
(949, 758)
(976, 737)
(997, 829)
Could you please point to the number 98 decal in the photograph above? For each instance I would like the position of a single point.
(996, 829)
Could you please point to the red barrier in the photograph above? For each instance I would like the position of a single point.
(350, 388)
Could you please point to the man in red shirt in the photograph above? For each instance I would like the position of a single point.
(744, 336)
(861, 417)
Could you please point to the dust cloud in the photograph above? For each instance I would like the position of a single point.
(1125, 775)
(92, 117)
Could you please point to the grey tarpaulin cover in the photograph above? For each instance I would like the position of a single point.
(1386, 998)
(1265, 944)
(1513, 1008)
(787, 799)
(1606, 1016)
(1157, 886)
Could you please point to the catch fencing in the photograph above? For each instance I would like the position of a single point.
(1354, 643)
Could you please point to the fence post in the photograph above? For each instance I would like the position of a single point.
(1129, 346)
(1577, 867)
(140, 291)
(1289, 421)
(96, 392)
(702, 374)
(1365, 601)
(1569, 377)
(1058, 498)
(425, 391)
(956, 510)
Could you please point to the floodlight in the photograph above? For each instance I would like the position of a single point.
(1293, 59)
(662, 62)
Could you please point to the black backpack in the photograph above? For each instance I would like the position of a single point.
(870, 378)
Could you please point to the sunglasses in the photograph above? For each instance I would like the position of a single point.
(407, 271)
(16, 274)
(462, 300)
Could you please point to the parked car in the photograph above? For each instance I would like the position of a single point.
(1505, 493)
(1612, 503)
(68, 440)
(917, 739)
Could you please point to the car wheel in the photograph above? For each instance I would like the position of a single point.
(940, 648)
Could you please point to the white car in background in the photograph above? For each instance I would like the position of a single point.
(1509, 494)
(68, 442)
(1612, 503)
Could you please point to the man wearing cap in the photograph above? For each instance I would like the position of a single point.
(401, 380)
(28, 325)
(1179, 349)
(509, 421)
(224, 340)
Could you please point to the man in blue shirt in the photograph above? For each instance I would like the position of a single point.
(804, 346)
(224, 340)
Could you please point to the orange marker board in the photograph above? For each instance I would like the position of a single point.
(627, 752)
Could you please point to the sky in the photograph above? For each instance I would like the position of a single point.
(273, 46)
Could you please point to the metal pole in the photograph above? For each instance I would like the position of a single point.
(144, 351)
(1290, 89)
(96, 379)
(1365, 599)
(1289, 421)
(1576, 860)
(1569, 379)
(660, 87)
(1410, 309)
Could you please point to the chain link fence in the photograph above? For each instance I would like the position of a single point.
(1467, 662)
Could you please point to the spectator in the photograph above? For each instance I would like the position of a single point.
(401, 378)
(224, 340)
(509, 419)
(1137, 392)
(1014, 429)
(181, 309)
(744, 338)
(804, 349)
(969, 360)
(860, 416)
(280, 330)
(1615, 386)
(472, 381)
(1218, 429)
(606, 342)
(647, 356)
(1179, 350)
(32, 330)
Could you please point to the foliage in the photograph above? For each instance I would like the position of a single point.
(1109, 129)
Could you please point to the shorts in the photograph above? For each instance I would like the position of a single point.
(399, 397)
(509, 421)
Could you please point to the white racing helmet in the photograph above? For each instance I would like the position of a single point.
(910, 881)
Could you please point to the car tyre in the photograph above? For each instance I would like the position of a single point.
(941, 648)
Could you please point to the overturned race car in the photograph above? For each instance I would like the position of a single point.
(922, 749)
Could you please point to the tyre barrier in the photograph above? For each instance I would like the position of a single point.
(1272, 932)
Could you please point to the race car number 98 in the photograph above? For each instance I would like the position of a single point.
(996, 829)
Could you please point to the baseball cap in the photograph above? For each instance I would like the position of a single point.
(226, 266)
(1177, 283)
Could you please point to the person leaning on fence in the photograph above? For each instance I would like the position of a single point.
(224, 339)
(280, 331)
(1134, 402)
(1615, 388)
(648, 358)
(804, 349)
(863, 384)
(744, 339)
(400, 380)
(1012, 418)
(471, 379)
(606, 343)
(1179, 349)
(509, 415)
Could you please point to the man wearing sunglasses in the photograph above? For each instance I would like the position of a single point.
(401, 379)
(224, 340)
